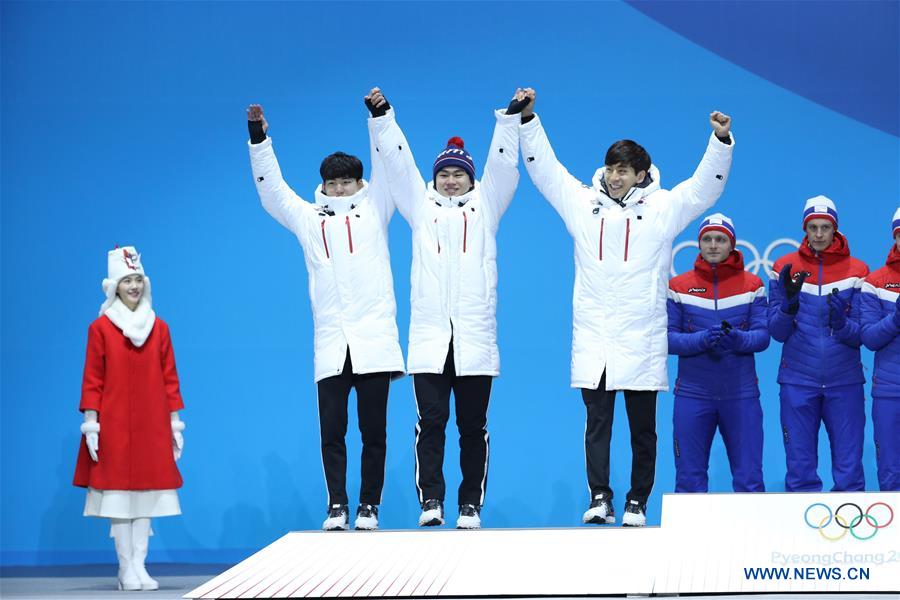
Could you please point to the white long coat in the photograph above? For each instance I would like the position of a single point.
(345, 245)
(622, 260)
(454, 265)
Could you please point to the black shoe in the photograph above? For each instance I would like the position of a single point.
(600, 512)
(635, 514)
(337, 518)
(469, 517)
(366, 517)
(432, 513)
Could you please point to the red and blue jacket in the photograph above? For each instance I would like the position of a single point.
(814, 353)
(702, 299)
(879, 331)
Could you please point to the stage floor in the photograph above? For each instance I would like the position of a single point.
(174, 587)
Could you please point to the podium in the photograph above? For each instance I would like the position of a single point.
(706, 544)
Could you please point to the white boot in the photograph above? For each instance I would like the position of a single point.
(120, 530)
(140, 531)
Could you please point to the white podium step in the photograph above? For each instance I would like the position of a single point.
(707, 544)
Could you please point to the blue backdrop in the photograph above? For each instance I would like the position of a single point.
(124, 123)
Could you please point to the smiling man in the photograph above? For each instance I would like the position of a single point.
(623, 227)
(814, 310)
(453, 304)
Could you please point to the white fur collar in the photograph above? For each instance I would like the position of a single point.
(447, 201)
(342, 204)
(135, 324)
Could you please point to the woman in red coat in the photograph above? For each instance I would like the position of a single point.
(130, 390)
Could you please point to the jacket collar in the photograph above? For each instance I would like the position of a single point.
(838, 250)
(340, 204)
(634, 195)
(893, 259)
(732, 265)
(449, 202)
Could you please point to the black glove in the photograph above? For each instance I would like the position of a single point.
(257, 135)
(792, 286)
(517, 106)
(377, 111)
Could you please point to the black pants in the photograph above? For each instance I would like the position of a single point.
(641, 409)
(472, 394)
(371, 402)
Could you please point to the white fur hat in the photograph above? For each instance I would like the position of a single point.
(120, 263)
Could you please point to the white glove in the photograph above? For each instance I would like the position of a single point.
(177, 438)
(91, 431)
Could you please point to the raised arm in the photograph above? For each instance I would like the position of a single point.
(691, 198)
(276, 196)
(553, 181)
(379, 190)
(407, 188)
(878, 329)
(501, 171)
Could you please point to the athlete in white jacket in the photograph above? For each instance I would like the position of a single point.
(623, 227)
(453, 327)
(351, 289)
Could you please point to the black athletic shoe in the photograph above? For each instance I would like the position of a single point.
(600, 512)
(432, 513)
(469, 517)
(337, 518)
(635, 514)
(366, 517)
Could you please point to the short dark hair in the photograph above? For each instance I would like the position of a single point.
(338, 165)
(629, 153)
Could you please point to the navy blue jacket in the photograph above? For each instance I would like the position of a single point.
(702, 299)
(814, 353)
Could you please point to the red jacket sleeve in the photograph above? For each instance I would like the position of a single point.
(170, 373)
(94, 371)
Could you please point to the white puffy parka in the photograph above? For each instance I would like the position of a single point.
(345, 244)
(622, 260)
(454, 265)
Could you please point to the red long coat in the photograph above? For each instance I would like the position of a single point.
(133, 390)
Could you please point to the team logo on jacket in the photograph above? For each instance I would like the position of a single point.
(696, 290)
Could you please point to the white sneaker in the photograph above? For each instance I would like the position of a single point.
(635, 514)
(366, 517)
(432, 514)
(469, 517)
(337, 518)
(600, 511)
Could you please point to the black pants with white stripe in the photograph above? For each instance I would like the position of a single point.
(641, 409)
(371, 403)
(472, 394)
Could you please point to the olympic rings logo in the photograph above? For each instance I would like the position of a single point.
(823, 517)
(754, 265)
